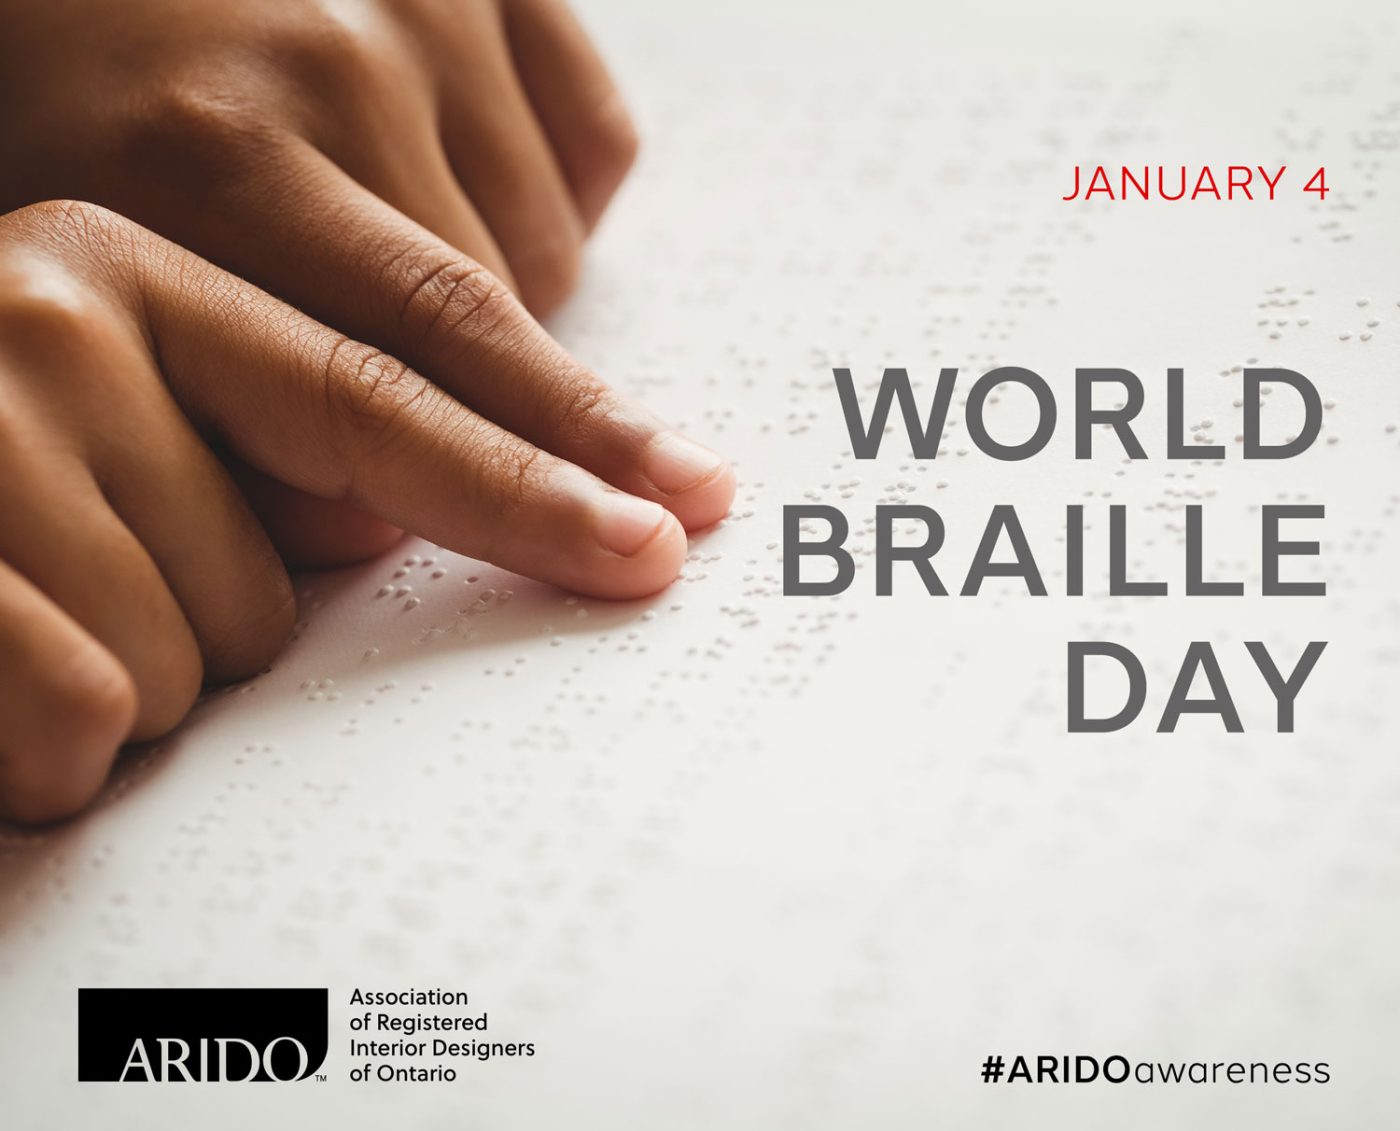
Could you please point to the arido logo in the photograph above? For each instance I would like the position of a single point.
(201, 1036)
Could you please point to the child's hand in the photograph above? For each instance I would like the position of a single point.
(131, 567)
(264, 134)
(325, 152)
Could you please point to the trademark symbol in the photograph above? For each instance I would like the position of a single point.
(320, 1077)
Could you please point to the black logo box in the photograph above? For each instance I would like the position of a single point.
(278, 1023)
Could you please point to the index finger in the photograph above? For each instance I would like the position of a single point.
(344, 420)
(338, 252)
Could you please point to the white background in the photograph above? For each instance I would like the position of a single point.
(738, 860)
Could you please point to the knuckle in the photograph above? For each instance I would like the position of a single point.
(65, 324)
(197, 123)
(577, 405)
(512, 483)
(332, 51)
(371, 391)
(257, 630)
(60, 250)
(93, 703)
(44, 306)
(72, 221)
(36, 312)
(97, 696)
(454, 297)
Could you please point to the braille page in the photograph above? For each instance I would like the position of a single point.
(730, 858)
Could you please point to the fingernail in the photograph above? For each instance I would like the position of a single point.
(675, 464)
(627, 523)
